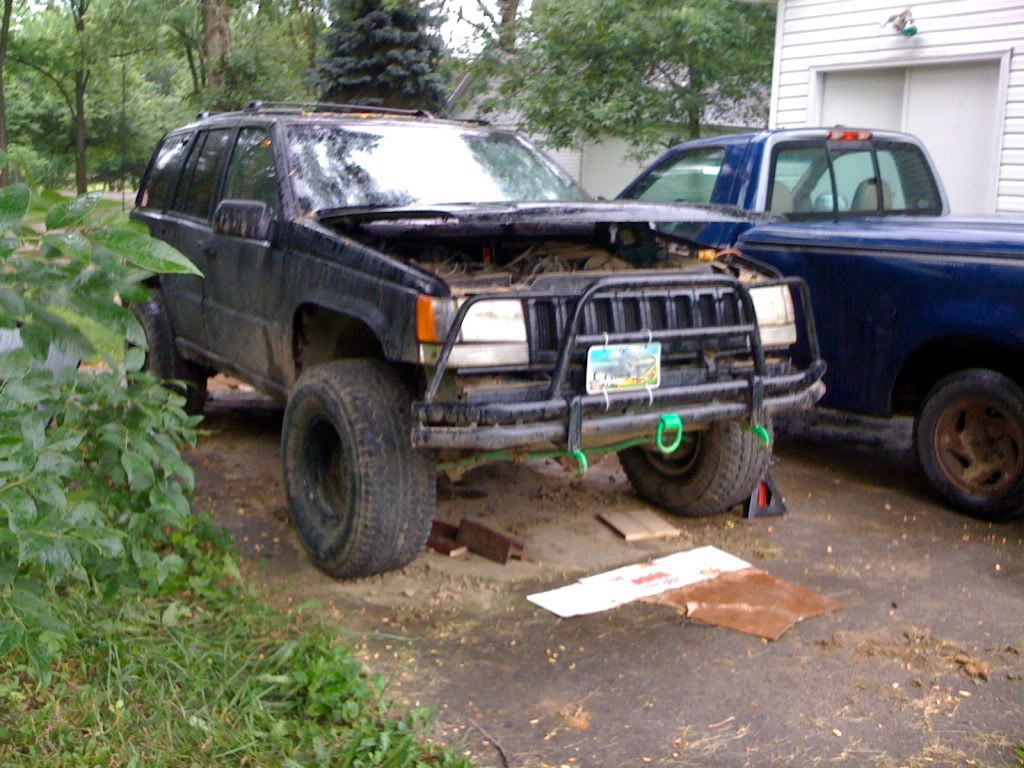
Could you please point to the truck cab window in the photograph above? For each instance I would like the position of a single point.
(812, 180)
(688, 177)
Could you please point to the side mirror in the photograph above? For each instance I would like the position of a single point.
(249, 219)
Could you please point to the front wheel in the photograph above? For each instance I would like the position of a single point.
(711, 472)
(969, 440)
(362, 498)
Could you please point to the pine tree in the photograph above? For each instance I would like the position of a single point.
(382, 53)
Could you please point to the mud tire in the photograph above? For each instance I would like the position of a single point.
(162, 358)
(361, 497)
(713, 476)
(937, 419)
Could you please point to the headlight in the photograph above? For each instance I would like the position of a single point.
(776, 317)
(493, 332)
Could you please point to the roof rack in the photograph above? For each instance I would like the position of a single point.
(315, 106)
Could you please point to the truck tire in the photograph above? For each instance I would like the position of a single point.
(969, 440)
(361, 497)
(162, 358)
(713, 470)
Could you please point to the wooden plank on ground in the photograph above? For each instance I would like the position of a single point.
(442, 539)
(638, 525)
(488, 543)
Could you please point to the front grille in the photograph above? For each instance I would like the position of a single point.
(639, 310)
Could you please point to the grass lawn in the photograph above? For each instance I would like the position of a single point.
(213, 680)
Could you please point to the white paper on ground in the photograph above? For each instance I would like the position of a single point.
(611, 589)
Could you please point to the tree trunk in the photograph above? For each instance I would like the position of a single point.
(81, 176)
(78, 10)
(5, 36)
(507, 10)
(217, 40)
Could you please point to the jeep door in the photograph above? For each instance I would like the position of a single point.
(191, 211)
(242, 301)
(182, 294)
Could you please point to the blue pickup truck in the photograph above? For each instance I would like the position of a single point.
(918, 312)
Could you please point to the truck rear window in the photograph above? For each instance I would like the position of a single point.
(818, 179)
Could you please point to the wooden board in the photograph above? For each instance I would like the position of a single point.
(638, 525)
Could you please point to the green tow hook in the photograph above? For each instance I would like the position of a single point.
(762, 434)
(582, 465)
(669, 422)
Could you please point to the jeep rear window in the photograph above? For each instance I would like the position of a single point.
(417, 164)
(163, 174)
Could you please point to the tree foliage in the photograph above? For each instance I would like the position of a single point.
(382, 53)
(648, 71)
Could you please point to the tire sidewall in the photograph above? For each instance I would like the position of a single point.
(989, 384)
(305, 408)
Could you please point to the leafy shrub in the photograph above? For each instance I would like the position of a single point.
(93, 489)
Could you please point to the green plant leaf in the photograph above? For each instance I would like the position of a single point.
(10, 636)
(72, 244)
(70, 212)
(139, 472)
(144, 251)
(14, 201)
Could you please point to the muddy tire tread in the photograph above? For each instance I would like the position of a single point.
(395, 485)
(732, 462)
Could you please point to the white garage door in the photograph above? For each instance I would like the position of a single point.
(950, 107)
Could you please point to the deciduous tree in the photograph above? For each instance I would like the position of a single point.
(649, 71)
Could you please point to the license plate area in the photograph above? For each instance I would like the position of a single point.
(623, 367)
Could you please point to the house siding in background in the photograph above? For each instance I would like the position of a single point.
(958, 84)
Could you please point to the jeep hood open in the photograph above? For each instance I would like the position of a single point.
(528, 217)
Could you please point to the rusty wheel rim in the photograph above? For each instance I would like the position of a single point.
(980, 446)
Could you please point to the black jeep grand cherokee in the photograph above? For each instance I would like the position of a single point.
(428, 294)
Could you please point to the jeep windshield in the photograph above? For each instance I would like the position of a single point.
(388, 165)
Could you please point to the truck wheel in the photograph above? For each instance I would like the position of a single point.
(969, 439)
(361, 496)
(711, 472)
(162, 359)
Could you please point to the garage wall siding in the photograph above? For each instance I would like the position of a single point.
(818, 35)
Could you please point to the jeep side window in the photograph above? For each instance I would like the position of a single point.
(163, 173)
(688, 177)
(195, 191)
(251, 172)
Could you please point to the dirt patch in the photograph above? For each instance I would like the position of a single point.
(899, 674)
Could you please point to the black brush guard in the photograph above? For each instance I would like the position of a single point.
(568, 419)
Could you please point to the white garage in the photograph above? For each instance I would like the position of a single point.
(957, 82)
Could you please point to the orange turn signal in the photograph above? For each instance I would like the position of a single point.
(426, 322)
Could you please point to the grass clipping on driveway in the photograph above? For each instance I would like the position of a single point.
(217, 680)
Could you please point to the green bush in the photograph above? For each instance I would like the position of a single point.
(127, 635)
(92, 484)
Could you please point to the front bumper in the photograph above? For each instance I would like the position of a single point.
(557, 413)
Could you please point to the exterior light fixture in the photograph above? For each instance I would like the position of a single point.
(903, 23)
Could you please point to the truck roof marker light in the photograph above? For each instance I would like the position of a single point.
(844, 135)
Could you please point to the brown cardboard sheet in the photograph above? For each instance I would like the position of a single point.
(749, 600)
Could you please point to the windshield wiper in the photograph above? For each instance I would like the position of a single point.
(370, 212)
